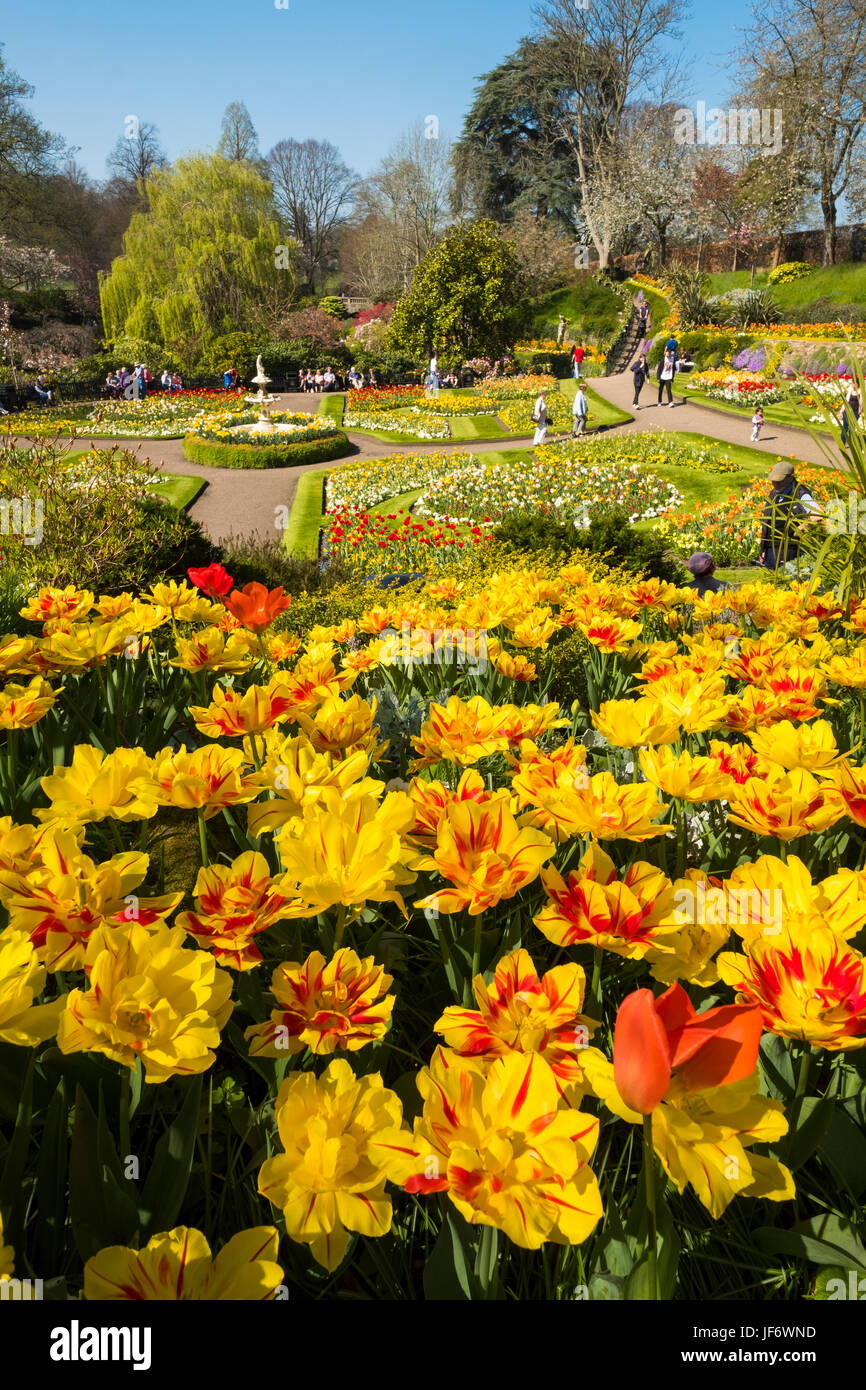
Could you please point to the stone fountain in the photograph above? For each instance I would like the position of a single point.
(262, 399)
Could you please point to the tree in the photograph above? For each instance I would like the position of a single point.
(716, 201)
(468, 298)
(239, 141)
(134, 157)
(545, 255)
(314, 328)
(657, 171)
(313, 190)
(368, 259)
(206, 258)
(602, 58)
(775, 188)
(410, 197)
(28, 156)
(809, 61)
(510, 158)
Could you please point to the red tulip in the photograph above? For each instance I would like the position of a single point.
(256, 607)
(212, 580)
(656, 1039)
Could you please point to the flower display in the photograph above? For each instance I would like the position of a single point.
(178, 1266)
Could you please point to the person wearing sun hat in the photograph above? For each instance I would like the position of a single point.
(701, 567)
(788, 506)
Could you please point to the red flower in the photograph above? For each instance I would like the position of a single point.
(212, 580)
(256, 607)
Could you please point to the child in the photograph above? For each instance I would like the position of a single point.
(757, 424)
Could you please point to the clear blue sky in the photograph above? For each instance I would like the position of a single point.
(356, 72)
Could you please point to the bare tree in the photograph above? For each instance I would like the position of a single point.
(809, 60)
(313, 191)
(603, 58)
(239, 139)
(411, 194)
(134, 158)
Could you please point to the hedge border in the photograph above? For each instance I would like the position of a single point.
(214, 455)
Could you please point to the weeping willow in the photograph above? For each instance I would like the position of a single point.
(204, 260)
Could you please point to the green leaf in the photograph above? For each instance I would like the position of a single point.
(51, 1184)
(101, 1209)
(12, 1190)
(776, 1066)
(168, 1176)
(827, 1284)
(808, 1121)
(843, 1148)
(821, 1240)
(448, 1273)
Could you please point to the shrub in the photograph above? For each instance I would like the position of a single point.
(333, 305)
(335, 446)
(229, 350)
(639, 552)
(528, 532)
(689, 289)
(267, 561)
(791, 270)
(315, 329)
(755, 306)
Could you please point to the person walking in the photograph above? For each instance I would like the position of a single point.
(666, 372)
(539, 419)
(643, 315)
(789, 505)
(577, 358)
(640, 373)
(757, 424)
(850, 412)
(433, 375)
(580, 411)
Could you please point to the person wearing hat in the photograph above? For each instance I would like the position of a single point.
(701, 567)
(788, 506)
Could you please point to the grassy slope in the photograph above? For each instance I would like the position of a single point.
(591, 311)
(477, 427)
(180, 489)
(658, 306)
(841, 284)
(333, 406)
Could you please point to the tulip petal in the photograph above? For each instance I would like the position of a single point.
(641, 1057)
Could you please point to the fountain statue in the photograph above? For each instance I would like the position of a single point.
(263, 400)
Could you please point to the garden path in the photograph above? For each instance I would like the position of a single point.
(245, 502)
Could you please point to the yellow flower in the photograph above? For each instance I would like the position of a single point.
(17, 655)
(703, 1137)
(634, 723)
(177, 1266)
(22, 706)
(83, 644)
(297, 774)
(214, 650)
(148, 998)
(600, 807)
(97, 785)
(233, 904)
(233, 713)
(460, 732)
(7, 1257)
(208, 780)
(503, 1147)
(809, 746)
(698, 933)
(69, 603)
(484, 854)
(696, 703)
(596, 908)
(22, 979)
(339, 1005)
(610, 634)
(347, 853)
(786, 807)
(685, 776)
(342, 726)
(540, 776)
(330, 1180)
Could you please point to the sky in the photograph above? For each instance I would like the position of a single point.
(355, 72)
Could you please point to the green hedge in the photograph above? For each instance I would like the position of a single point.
(212, 455)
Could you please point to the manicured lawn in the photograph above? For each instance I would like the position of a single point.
(301, 536)
(477, 427)
(180, 489)
(601, 412)
(333, 406)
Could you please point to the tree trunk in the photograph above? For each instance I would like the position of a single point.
(700, 251)
(828, 208)
(778, 250)
(736, 255)
(663, 247)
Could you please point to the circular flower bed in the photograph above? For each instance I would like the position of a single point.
(557, 482)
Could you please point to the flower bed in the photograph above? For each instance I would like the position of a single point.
(391, 993)
(161, 415)
(730, 530)
(295, 428)
(359, 485)
(563, 481)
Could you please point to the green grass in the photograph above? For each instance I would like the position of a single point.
(601, 412)
(841, 284)
(781, 413)
(477, 427)
(179, 489)
(659, 307)
(301, 536)
(333, 406)
(402, 503)
(591, 311)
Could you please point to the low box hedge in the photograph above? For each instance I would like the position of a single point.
(214, 455)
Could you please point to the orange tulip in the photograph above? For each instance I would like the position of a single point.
(662, 1043)
(255, 606)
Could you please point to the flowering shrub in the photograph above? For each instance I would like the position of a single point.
(789, 271)
(398, 976)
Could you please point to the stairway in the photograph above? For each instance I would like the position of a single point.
(622, 352)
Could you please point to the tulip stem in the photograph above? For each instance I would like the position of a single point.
(652, 1229)
(476, 956)
(803, 1074)
(202, 840)
(485, 1260)
(596, 978)
(783, 851)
